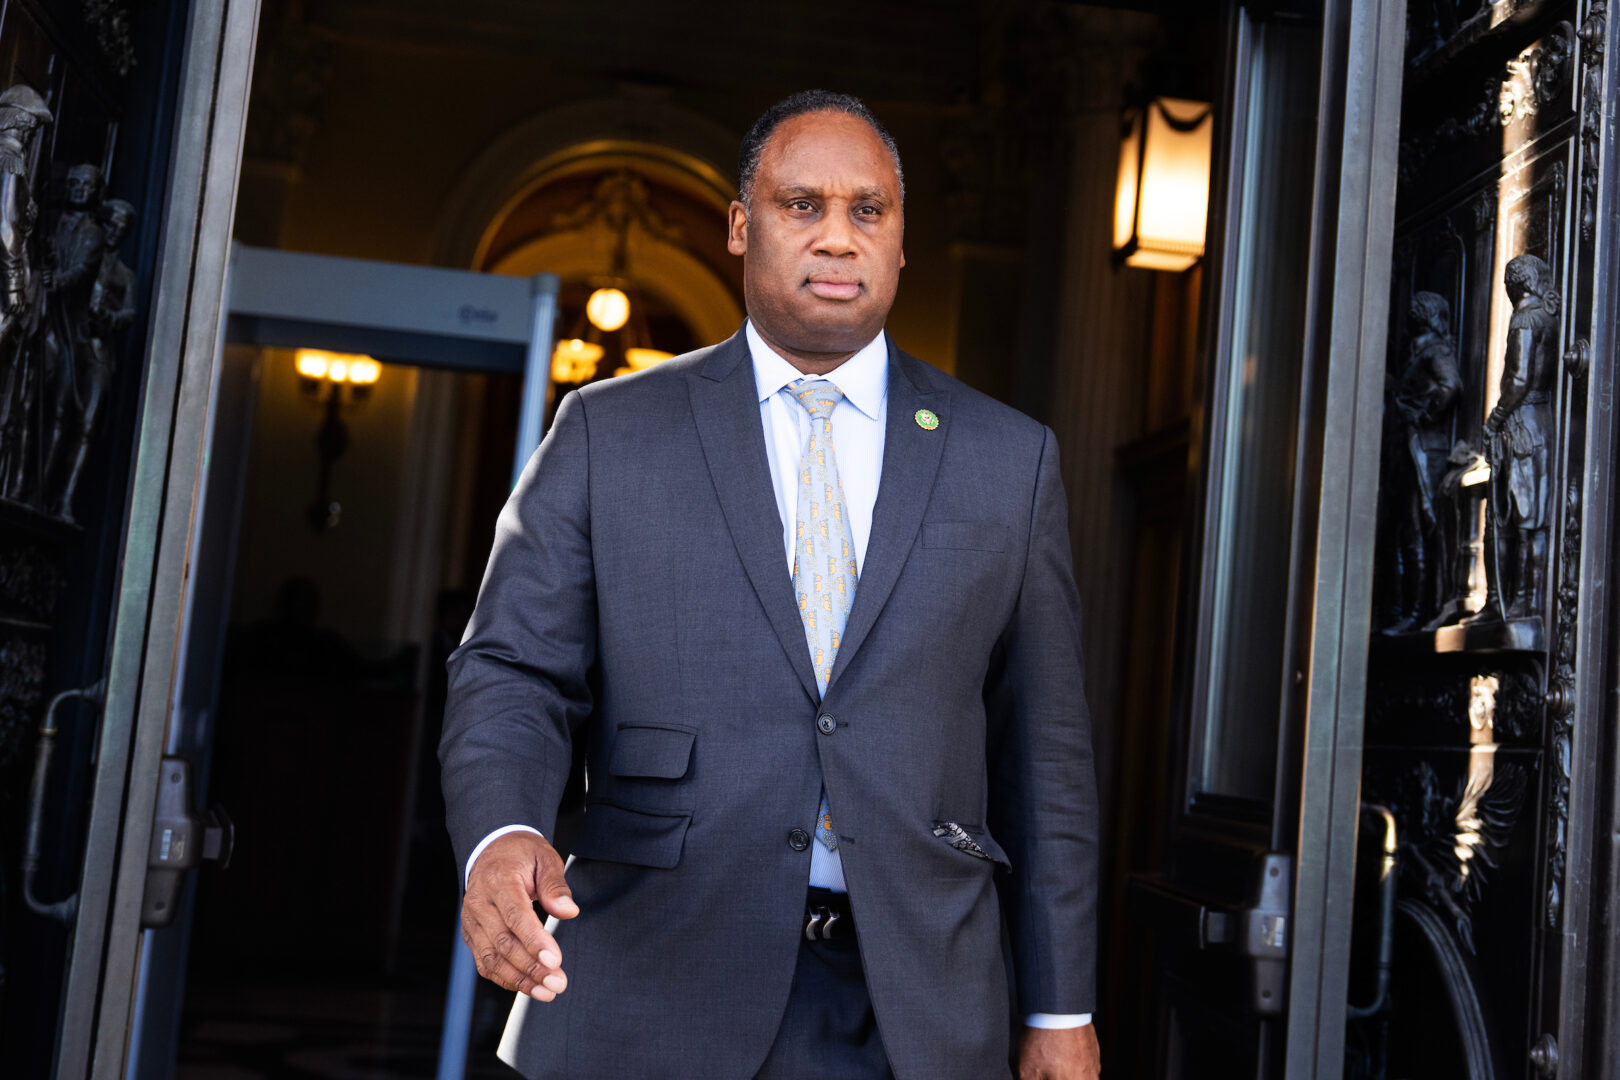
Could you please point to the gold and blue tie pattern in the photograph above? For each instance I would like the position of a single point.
(824, 573)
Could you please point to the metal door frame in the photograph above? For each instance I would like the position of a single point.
(1316, 805)
(199, 210)
(1363, 63)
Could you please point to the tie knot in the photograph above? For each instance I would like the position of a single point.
(819, 397)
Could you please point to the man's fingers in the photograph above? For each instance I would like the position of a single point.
(507, 937)
(502, 958)
(555, 897)
(497, 969)
(517, 914)
(518, 935)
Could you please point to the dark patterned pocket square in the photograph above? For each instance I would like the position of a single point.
(956, 836)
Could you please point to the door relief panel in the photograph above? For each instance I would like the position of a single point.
(1471, 684)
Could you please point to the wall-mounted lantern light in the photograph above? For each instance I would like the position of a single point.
(318, 366)
(347, 379)
(1161, 204)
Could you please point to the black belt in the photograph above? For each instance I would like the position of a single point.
(827, 916)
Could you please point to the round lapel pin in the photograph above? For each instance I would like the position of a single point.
(926, 419)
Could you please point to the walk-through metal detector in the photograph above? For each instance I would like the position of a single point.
(424, 315)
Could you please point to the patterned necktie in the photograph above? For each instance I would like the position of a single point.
(824, 573)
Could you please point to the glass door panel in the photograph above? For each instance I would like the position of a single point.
(1242, 930)
(1258, 429)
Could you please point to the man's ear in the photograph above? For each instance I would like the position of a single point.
(902, 257)
(737, 228)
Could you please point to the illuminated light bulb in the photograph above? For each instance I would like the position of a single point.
(312, 364)
(1161, 200)
(337, 367)
(574, 361)
(608, 309)
(642, 359)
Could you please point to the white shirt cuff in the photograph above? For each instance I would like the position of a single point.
(486, 841)
(1057, 1020)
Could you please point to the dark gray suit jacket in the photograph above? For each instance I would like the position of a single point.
(638, 598)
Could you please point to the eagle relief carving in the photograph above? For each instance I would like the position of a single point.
(1450, 841)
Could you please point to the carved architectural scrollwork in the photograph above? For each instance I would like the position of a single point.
(1591, 34)
(1527, 84)
(29, 585)
(22, 684)
(1561, 702)
(1439, 29)
(110, 20)
(1441, 702)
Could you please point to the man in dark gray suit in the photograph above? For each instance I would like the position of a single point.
(808, 603)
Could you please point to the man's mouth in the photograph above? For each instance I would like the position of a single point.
(834, 288)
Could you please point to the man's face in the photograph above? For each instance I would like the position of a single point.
(822, 246)
(117, 228)
(81, 187)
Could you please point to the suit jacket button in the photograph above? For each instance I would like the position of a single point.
(826, 724)
(798, 839)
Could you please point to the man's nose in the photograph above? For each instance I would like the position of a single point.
(837, 235)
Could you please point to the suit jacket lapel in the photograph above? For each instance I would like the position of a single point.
(725, 406)
(911, 457)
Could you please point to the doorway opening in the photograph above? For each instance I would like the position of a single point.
(326, 946)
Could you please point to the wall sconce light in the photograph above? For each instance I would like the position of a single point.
(318, 367)
(347, 380)
(1161, 203)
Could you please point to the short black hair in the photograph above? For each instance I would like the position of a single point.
(805, 101)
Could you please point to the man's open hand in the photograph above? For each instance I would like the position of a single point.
(498, 921)
(1059, 1054)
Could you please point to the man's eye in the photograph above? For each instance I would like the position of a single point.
(868, 211)
(800, 204)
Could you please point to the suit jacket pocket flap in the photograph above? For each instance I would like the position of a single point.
(644, 750)
(619, 834)
(976, 535)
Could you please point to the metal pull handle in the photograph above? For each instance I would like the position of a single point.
(65, 909)
(1386, 914)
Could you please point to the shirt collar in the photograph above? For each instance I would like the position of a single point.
(864, 377)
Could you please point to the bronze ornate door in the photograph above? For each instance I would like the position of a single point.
(1482, 692)
(1243, 933)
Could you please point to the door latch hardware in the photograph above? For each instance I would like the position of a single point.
(1265, 933)
(180, 841)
